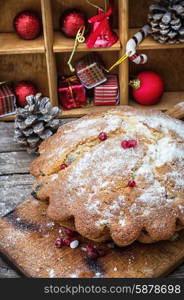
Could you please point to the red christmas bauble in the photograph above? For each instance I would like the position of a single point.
(148, 88)
(71, 21)
(28, 25)
(22, 90)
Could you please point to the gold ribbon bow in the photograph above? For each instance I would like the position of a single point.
(69, 81)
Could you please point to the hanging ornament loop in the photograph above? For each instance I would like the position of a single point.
(117, 63)
(131, 49)
(98, 7)
(80, 39)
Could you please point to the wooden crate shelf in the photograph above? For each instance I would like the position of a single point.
(169, 99)
(150, 44)
(64, 44)
(11, 43)
(39, 58)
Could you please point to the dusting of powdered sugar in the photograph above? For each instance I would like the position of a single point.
(155, 193)
(177, 177)
(87, 128)
(166, 151)
(95, 169)
(95, 175)
(162, 123)
(51, 273)
(94, 207)
(53, 177)
(122, 222)
(108, 162)
(133, 127)
(103, 163)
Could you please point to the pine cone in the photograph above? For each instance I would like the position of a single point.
(166, 18)
(35, 122)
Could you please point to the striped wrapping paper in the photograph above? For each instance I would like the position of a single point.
(7, 100)
(108, 92)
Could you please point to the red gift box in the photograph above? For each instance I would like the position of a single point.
(108, 92)
(7, 100)
(72, 94)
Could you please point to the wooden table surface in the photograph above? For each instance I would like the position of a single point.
(15, 183)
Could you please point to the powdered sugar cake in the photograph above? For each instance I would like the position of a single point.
(129, 186)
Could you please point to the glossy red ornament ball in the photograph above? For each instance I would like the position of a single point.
(71, 21)
(28, 25)
(148, 88)
(22, 90)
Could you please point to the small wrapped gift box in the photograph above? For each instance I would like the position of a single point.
(72, 94)
(7, 100)
(108, 92)
(90, 71)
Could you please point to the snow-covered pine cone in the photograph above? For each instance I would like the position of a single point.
(166, 18)
(35, 122)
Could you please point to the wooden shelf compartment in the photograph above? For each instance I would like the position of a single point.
(64, 44)
(168, 100)
(8, 118)
(11, 43)
(46, 49)
(150, 44)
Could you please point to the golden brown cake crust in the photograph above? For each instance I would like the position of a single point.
(93, 191)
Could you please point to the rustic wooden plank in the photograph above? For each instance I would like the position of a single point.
(179, 273)
(14, 189)
(8, 200)
(15, 162)
(7, 143)
(16, 180)
(6, 271)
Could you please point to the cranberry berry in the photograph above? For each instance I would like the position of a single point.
(67, 241)
(132, 184)
(129, 144)
(94, 253)
(59, 243)
(63, 166)
(103, 136)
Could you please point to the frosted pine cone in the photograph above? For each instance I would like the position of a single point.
(166, 18)
(35, 122)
